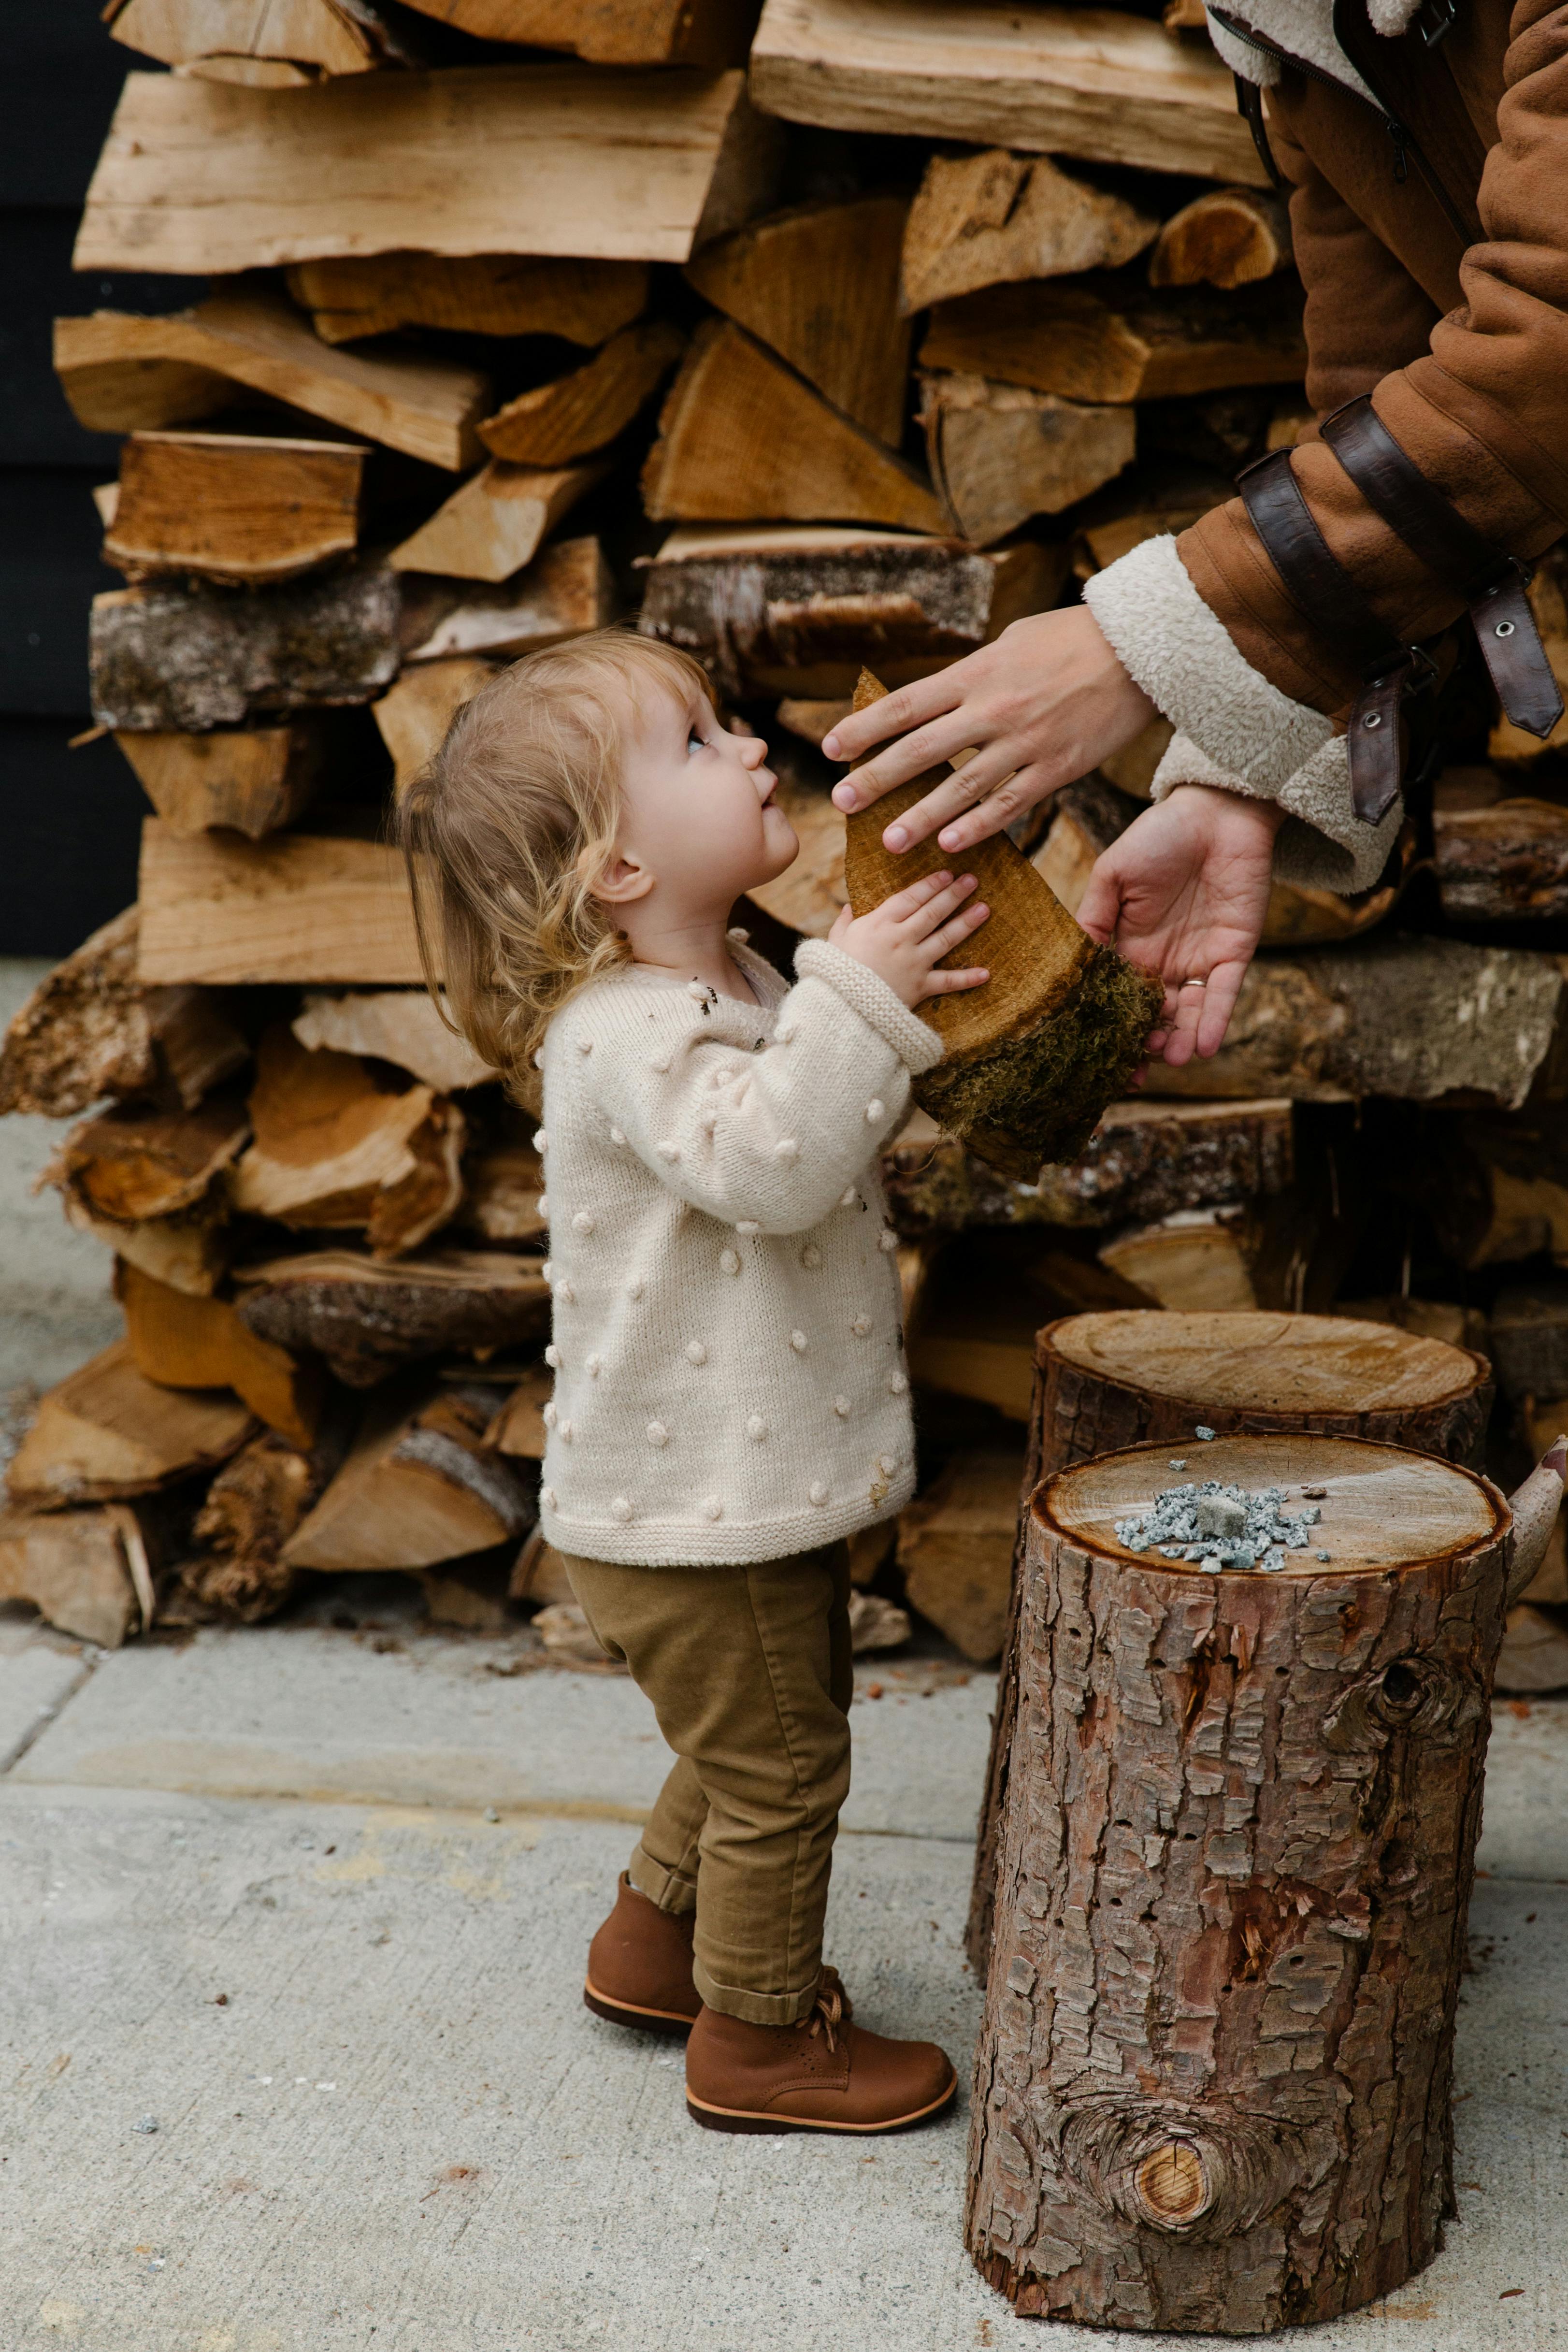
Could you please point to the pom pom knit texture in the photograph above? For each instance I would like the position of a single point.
(728, 1333)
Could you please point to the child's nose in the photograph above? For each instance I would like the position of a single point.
(753, 750)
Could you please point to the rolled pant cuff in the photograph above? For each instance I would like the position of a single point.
(756, 2008)
(668, 1889)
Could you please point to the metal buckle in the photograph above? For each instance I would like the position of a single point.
(1437, 21)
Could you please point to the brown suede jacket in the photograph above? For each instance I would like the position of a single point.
(1445, 293)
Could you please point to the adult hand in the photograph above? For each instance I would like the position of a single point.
(1044, 704)
(1184, 892)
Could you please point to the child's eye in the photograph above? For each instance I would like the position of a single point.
(696, 742)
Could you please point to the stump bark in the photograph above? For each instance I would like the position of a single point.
(1107, 1381)
(1212, 2088)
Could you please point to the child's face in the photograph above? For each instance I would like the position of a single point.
(697, 806)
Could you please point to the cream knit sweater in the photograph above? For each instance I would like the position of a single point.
(727, 1342)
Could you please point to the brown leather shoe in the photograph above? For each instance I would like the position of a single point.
(640, 1966)
(824, 2075)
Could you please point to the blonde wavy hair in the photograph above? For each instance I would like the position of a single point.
(509, 827)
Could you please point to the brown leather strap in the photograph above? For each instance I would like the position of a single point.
(1489, 580)
(1322, 590)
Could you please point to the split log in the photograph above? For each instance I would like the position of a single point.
(1429, 1318)
(1099, 83)
(106, 1431)
(185, 1343)
(566, 590)
(1143, 1160)
(205, 180)
(1229, 238)
(803, 609)
(1529, 1339)
(234, 506)
(972, 1325)
(475, 294)
(742, 439)
(121, 372)
(611, 32)
(311, 38)
(539, 1574)
(400, 1026)
(1072, 340)
(812, 717)
(1495, 1189)
(419, 1485)
(336, 1149)
(1149, 501)
(135, 1160)
(999, 453)
(493, 526)
(91, 1028)
(296, 907)
(518, 1428)
(367, 1318)
(254, 1506)
(1195, 1260)
(1506, 863)
(1250, 2125)
(414, 715)
(503, 1187)
(956, 1549)
(580, 412)
(169, 660)
(819, 285)
(991, 218)
(75, 1567)
(189, 1250)
(1421, 1019)
(253, 780)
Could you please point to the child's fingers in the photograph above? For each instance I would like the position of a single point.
(945, 983)
(842, 922)
(954, 932)
(924, 919)
(909, 901)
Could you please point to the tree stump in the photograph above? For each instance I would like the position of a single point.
(1212, 2088)
(1110, 1380)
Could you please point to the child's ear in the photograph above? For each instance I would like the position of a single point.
(622, 881)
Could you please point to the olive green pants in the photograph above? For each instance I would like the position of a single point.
(750, 1676)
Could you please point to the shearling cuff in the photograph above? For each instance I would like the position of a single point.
(1323, 844)
(1188, 662)
(916, 1046)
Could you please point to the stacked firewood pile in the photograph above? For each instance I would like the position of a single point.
(843, 336)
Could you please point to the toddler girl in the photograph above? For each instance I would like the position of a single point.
(730, 1398)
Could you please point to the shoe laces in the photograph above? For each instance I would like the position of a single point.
(831, 2009)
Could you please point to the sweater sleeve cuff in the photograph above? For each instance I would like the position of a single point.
(916, 1044)
(1322, 844)
(1188, 662)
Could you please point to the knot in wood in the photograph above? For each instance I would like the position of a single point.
(1172, 2184)
(1185, 2170)
(1423, 1696)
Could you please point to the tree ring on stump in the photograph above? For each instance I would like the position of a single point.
(1188, 2168)
(1172, 2184)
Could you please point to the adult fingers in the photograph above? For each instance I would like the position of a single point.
(947, 800)
(943, 740)
(1219, 1002)
(992, 815)
(895, 713)
(1182, 1041)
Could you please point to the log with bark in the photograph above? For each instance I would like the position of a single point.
(1504, 862)
(742, 438)
(253, 780)
(819, 285)
(1001, 453)
(1212, 2089)
(1530, 1338)
(203, 180)
(519, 1427)
(86, 1572)
(503, 1184)
(991, 218)
(419, 1485)
(1142, 1160)
(566, 590)
(578, 414)
(1100, 83)
(1088, 344)
(956, 1548)
(1421, 1019)
(478, 294)
(106, 1431)
(254, 1506)
(169, 660)
(1150, 499)
(414, 715)
(1230, 237)
(1496, 1189)
(135, 1161)
(316, 908)
(802, 610)
(400, 1026)
(121, 373)
(256, 43)
(611, 32)
(239, 508)
(341, 1144)
(184, 1341)
(367, 1318)
(496, 523)
(91, 1028)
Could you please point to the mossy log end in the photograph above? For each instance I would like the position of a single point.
(1212, 2088)
(1034, 1055)
(1109, 1380)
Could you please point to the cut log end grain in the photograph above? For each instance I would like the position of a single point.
(252, 781)
(1093, 346)
(1229, 238)
(566, 590)
(233, 507)
(414, 716)
(400, 1026)
(307, 38)
(418, 1486)
(135, 1161)
(307, 908)
(477, 294)
(582, 412)
(75, 1569)
(1031, 1058)
(494, 524)
(611, 32)
(1145, 2156)
(956, 1549)
(181, 1341)
(994, 217)
(367, 1319)
(999, 453)
(106, 1431)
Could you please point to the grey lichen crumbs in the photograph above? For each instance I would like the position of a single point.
(1216, 1526)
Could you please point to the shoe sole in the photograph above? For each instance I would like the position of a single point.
(744, 2120)
(644, 2021)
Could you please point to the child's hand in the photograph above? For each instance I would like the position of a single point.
(906, 937)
